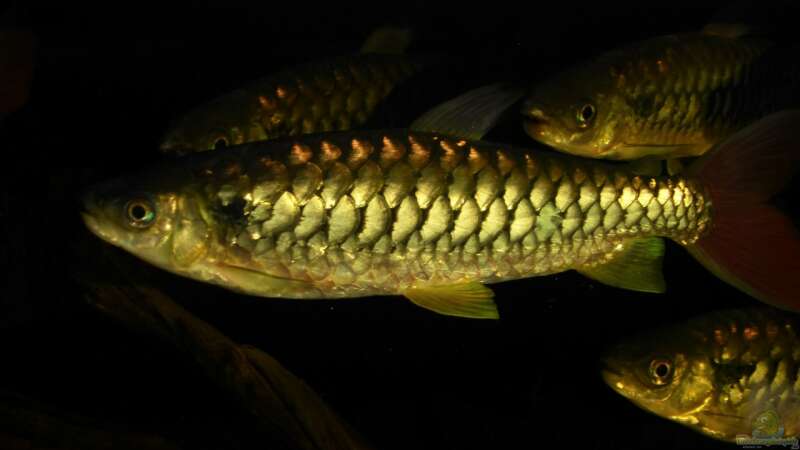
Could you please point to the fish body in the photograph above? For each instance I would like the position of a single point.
(373, 213)
(335, 94)
(727, 374)
(433, 217)
(666, 97)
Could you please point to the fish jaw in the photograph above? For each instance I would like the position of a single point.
(615, 376)
(540, 127)
(547, 130)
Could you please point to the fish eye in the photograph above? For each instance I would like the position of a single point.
(140, 213)
(660, 371)
(586, 114)
(220, 143)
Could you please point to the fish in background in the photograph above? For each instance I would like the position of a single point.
(665, 97)
(434, 216)
(17, 48)
(727, 374)
(328, 95)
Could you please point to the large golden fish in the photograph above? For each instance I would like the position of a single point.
(432, 217)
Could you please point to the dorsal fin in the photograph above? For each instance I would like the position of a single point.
(728, 30)
(773, 20)
(388, 41)
(470, 115)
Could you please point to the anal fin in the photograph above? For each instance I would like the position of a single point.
(471, 299)
(637, 267)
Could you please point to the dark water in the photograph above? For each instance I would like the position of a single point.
(109, 80)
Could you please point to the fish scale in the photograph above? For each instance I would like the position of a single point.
(724, 70)
(680, 91)
(323, 96)
(375, 213)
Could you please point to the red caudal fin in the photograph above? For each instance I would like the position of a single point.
(751, 244)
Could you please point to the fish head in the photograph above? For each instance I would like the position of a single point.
(215, 126)
(151, 217)
(579, 112)
(666, 374)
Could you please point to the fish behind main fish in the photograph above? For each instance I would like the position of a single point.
(726, 374)
(335, 94)
(433, 217)
(665, 97)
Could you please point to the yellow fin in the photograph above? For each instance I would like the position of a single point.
(262, 284)
(637, 267)
(471, 299)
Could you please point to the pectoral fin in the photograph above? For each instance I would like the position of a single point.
(472, 299)
(258, 283)
(637, 267)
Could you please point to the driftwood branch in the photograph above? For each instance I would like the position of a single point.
(282, 405)
(28, 424)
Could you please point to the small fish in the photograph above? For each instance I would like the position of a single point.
(433, 217)
(726, 374)
(336, 94)
(666, 97)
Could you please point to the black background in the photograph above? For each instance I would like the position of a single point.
(109, 79)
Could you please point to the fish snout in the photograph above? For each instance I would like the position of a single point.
(174, 147)
(536, 122)
(537, 129)
(86, 201)
(88, 207)
(611, 373)
(534, 112)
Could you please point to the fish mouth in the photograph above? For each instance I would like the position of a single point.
(174, 148)
(535, 123)
(612, 376)
(90, 217)
(93, 224)
(535, 128)
(534, 115)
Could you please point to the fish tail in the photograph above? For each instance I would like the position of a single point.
(751, 244)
